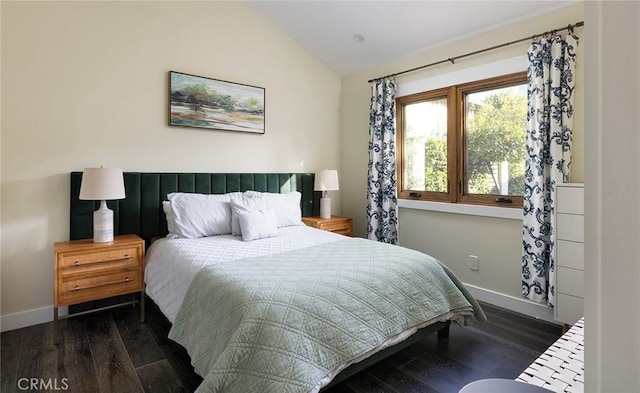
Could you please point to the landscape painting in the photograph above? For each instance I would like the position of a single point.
(197, 101)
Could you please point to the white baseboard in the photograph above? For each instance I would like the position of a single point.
(522, 306)
(29, 317)
(511, 303)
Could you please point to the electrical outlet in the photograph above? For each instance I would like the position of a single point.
(473, 262)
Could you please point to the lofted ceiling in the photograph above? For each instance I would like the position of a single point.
(389, 30)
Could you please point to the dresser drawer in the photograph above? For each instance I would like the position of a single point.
(570, 254)
(570, 227)
(570, 281)
(99, 286)
(569, 309)
(570, 200)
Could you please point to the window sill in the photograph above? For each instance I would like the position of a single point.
(459, 208)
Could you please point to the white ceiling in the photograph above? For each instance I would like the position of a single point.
(391, 29)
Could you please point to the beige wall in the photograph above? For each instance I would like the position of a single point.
(85, 84)
(453, 237)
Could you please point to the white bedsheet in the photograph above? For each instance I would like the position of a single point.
(171, 264)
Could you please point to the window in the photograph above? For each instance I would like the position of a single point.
(464, 143)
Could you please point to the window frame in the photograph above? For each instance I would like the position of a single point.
(456, 140)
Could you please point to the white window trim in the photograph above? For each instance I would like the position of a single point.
(472, 74)
(485, 71)
(461, 208)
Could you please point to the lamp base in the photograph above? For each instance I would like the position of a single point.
(103, 224)
(325, 207)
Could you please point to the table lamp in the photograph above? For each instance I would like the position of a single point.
(326, 180)
(102, 184)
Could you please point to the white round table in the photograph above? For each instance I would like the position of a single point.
(498, 385)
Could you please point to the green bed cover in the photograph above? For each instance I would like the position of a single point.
(281, 323)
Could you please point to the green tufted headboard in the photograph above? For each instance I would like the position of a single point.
(141, 211)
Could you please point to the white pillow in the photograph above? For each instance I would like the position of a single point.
(199, 215)
(242, 205)
(286, 206)
(166, 207)
(258, 224)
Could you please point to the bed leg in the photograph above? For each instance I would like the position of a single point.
(444, 332)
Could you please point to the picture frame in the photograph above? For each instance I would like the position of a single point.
(201, 102)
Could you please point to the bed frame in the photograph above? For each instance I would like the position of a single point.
(141, 213)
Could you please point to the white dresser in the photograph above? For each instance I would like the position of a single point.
(569, 252)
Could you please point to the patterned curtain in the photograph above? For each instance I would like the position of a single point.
(382, 210)
(550, 94)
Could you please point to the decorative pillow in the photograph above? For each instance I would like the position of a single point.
(286, 206)
(258, 224)
(199, 215)
(242, 205)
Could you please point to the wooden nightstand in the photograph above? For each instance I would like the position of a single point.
(86, 271)
(337, 224)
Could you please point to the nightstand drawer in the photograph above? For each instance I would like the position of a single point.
(80, 259)
(82, 289)
(335, 225)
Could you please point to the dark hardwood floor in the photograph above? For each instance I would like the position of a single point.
(113, 351)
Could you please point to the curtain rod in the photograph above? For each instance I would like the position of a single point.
(453, 59)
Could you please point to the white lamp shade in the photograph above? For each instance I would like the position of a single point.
(326, 180)
(99, 184)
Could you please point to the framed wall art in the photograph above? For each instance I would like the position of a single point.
(196, 101)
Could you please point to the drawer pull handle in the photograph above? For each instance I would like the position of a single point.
(77, 263)
(126, 256)
(77, 288)
(126, 279)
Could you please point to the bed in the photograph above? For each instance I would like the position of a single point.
(298, 310)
